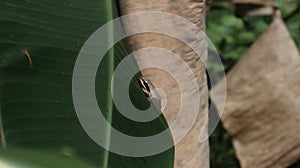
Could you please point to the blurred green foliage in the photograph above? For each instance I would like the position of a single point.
(232, 36)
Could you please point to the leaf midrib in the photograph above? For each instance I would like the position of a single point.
(109, 8)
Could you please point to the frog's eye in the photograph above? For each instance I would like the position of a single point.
(145, 86)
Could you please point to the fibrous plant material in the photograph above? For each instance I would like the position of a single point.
(262, 107)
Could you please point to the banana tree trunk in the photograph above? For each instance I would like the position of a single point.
(189, 152)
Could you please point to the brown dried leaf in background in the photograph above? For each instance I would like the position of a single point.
(257, 2)
(262, 108)
(250, 7)
(242, 10)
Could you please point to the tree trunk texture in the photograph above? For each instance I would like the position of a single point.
(189, 153)
(262, 108)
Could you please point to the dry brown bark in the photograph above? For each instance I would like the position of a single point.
(189, 152)
(262, 108)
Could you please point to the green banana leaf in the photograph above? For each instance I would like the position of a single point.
(36, 105)
(41, 159)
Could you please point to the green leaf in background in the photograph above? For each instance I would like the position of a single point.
(36, 104)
